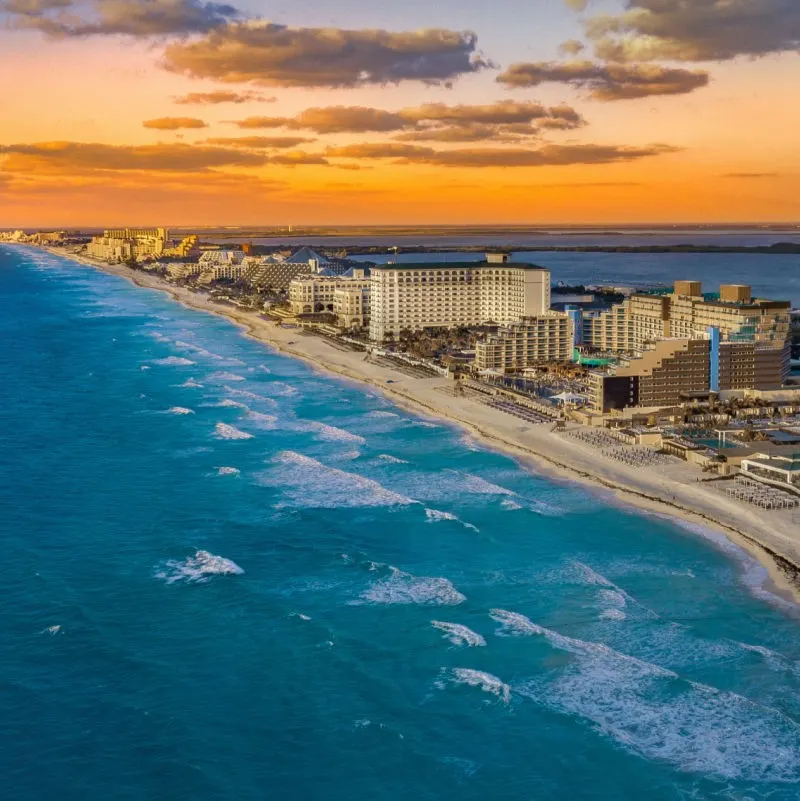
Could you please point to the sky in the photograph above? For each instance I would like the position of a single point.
(314, 112)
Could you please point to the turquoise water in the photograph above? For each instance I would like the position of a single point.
(230, 576)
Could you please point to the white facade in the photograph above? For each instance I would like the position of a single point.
(419, 296)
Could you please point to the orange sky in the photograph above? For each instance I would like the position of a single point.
(74, 149)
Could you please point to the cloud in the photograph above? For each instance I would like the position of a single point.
(258, 142)
(276, 55)
(331, 119)
(755, 175)
(572, 47)
(221, 96)
(80, 157)
(138, 18)
(502, 121)
(696, 30)
(607, 82)
(174, 123)
(503, 111)
(547, 155)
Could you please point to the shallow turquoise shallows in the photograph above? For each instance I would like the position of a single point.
(229, 576)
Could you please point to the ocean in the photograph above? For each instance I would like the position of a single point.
(231, 576)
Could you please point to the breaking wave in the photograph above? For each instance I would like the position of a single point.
(312, 484)
(657, 714)
(403, 588)
(386, 457)
(436, 515)
(224, 431)
(190, 383)
(458, 634)
(330, 433)
(180, 410)
(197, 569)
(174, 361)
(223, 376)
(228, 471)
(476, 678)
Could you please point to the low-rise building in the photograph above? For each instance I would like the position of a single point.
(532, 341)
(347, 296)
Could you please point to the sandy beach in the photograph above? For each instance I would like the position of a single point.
(773, 538)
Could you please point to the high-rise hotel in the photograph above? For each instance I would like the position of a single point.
(451, 294)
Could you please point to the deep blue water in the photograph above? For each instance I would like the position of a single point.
(386, 609)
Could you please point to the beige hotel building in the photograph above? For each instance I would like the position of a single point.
(452, 294)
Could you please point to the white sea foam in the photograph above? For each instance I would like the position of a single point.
(227, 403)
(174, 361)
(347, 456)
(458, 634)
(264, 369)
(224, 431)
(312, 484)
(224, 376)
(477, 678)
(611, 596)
(330, 433)
(300, 615)
(265, 421)
(228, 471)
(191, 383)
(279, 388)
(197, 569)
(144, 367)
(404, 588)
(243, 393)
(180, 410)
(159, 337)
(654, 713)
(436, 515)
(511, 505)
(387, 457)
(51, 630)
(199, 351)
(612, 614)
(481, 486)
(381, 414)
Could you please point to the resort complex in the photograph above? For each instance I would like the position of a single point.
(647, 377)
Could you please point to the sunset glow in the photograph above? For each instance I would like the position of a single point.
(552, 112)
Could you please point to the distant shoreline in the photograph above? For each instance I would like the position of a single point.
(773, 541)
(778, 249)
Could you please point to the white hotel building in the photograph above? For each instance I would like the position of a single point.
(452, 294)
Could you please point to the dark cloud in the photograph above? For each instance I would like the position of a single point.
(138, 18)
(222, 96)
(174, 123)
(696, 30)
(82, 157)
(276, 55)
(258, 142)
(607, 82)
(547, 155)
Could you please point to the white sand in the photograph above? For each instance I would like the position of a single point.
(772, 537)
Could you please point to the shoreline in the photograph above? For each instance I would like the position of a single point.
(774, 541)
